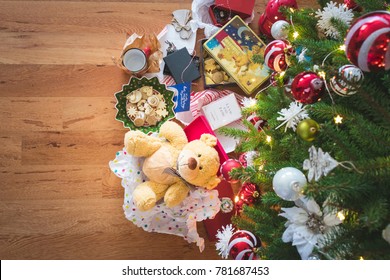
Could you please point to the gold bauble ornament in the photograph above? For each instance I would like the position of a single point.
(308, 129)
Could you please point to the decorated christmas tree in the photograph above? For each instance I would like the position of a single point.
(316, 172)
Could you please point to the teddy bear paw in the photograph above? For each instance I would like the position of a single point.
(144, 199)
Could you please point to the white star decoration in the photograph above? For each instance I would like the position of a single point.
(292, 116)
(319, 164)
(332, 11)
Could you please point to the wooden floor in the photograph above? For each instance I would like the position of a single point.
(58, 198)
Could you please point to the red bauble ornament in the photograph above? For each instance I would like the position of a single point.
(257, 122)
(307, 87)
(265, 25)
(368, 42)
(275, 55)
(226, 167)
(242, 160)
(249, 193)
(272, 9)
(352, 5)
(242, 245)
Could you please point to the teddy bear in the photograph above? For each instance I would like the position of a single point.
(172, 165)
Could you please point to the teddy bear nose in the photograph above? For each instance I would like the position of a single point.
(192, 163)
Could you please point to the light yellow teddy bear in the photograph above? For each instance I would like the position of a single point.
(171, 164)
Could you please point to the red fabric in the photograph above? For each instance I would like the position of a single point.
(244, 8)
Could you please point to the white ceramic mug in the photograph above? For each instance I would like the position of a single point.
(134, 60)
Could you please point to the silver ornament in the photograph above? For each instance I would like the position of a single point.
(226, 205)
(279, 30)
(347, 81)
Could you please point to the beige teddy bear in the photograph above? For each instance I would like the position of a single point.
(172, 164)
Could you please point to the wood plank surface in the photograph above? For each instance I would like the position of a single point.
(58, 197)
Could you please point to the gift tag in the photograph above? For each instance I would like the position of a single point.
(182, 97)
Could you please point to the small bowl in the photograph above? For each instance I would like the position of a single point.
(137, 83)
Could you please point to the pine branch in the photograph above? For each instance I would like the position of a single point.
(371, 5)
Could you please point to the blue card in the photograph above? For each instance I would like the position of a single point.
(182, 97)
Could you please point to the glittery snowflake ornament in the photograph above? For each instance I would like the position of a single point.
(292, 116)
(319, 164)
(330, 12)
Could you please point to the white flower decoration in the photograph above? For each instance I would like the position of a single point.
(223, 237)
(333, 10)
(308, 225)
(293, 115)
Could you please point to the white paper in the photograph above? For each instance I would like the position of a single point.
(228, 143)
(222, 111)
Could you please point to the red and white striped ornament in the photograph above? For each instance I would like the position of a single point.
(242, 245)
(257, 122)
(275, 55)
(351, 4)
(368, 42)
(347, 81)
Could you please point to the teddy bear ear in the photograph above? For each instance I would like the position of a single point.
(208, 139)
(212, 183)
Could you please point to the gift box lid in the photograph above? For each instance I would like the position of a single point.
(240, 52)
(243, 8)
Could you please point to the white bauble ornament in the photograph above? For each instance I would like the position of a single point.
(279, 30)
(288, 183)
(313, 257)
(386, 233)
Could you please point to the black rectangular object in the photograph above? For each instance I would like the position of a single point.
(182, 68)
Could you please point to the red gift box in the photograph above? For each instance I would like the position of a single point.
(243, 8)
(193, 131)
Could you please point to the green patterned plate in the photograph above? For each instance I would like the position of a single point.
(136, 83)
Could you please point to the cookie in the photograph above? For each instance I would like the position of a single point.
(217, 77)
(153, 101)
(139, 119)
(141, 105)
(147, 90)
(135, 96)
(151, 120)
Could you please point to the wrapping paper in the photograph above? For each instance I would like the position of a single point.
(181, 220)
(141, 42)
